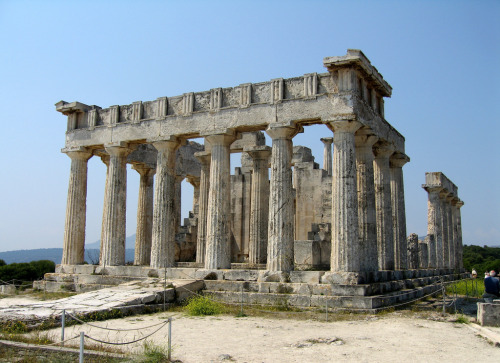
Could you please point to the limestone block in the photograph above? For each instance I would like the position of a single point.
(307, 254)
(241, 275)
(308, 277)
(7, 289)
(209, 274)
(273, 276)
(488, 314)
(345, 278)
(83, 269)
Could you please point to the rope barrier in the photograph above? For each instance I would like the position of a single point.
(133, 341)
(105, 328)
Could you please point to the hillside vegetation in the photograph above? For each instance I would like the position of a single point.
(481, 259)
(31, 271)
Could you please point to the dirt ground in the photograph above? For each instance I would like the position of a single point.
(400, 336)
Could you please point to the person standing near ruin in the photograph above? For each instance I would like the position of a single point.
(491, 285)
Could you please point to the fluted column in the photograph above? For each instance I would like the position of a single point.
(218, 248)
(105, 160)
(383, 203)
(434, 226)
(204, 159)
(327, 154)
(445, 254)
(113, 239)
(177, 202)
(398, 211)
(143, 236)
(280, 248)
(364, 141)
(259, 205)
(451, 231)
(163, 240)
(460, 262)
(195, 182)
(76, 208)
(345, 238)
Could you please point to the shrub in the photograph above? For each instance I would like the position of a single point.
(203, 305)
(153, 353)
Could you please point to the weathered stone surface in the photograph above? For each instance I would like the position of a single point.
(344, 278)
(413, 260)
(488, 314)
(307, 254)
(397, 161)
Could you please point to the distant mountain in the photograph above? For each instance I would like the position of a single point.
(129, 243)
(53, 254)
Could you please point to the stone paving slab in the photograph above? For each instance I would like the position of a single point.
(128, 294)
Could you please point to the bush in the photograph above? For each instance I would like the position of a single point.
(26, 271)
(202, 305)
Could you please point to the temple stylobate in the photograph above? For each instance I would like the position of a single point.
(360, 187)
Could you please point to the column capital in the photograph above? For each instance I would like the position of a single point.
(383, 149)
(431, 188)
(118, 149)
(224, 139)
(259, 152)
(171, 143)
(144, 170)
(277, 132)
(460, 204)
(203, 157)
(450, 197)
(364, 138)
(193, 180)
(443, 194)
(344, 126)
(78, 153)
(398, 160)
(327, 140)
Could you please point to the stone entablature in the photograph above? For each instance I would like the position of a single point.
(352, 90)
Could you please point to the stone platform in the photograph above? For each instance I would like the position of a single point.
(303, 289)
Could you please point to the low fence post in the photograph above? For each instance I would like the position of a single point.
(169, 339)
(82, 337)
(63, 322)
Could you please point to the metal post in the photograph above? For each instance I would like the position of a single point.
(326, 309)
(82, 337)
(63, 322)
(241, 301)
(169, 339)
(164, 288)
(466, 290)
(444, 293)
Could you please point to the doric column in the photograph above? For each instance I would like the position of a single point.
(105, 160)
(423, 255)
(345, 239)
(177, 202)
(450, 209)
(460, 262)
(144, 230)
(364, 142)
(259, 204)
(113, 239)
(430, 241)
(327, 154)
(76, 207)
(397, 161)
(218, 247)
(195, 182)
(204, 159)
(280, 248)
(163, 240)
(434, 225)
(383, 203)
(412, 245)
(445, 254)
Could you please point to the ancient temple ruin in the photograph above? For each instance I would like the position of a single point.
(280, 212)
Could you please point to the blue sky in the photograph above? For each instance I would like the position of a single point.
(441, 58)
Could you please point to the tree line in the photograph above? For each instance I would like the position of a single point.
(25, 271)
(481, 259)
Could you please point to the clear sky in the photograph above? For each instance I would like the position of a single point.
(442, 59)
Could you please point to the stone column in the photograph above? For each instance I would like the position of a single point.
(177, 202)
(430, 241)
(280, 250)
(218, 247)
(144, 230)
(345, 238)
(423, 254)
(105, 160)
(76, 208)
(398, 210)
(460, 262)
(364, 142)
(113, 239)
(412, 244)
(163, 241)
(195, 182)
(451, 230)
(259, 205)
(204, 159)
(445, 254)
(327, 154)
(383, 203)
(434, 225)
